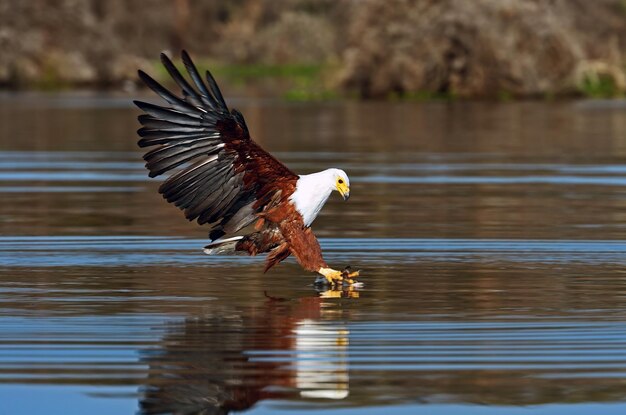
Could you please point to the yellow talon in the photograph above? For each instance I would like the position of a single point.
(349, 274)
(334, 277)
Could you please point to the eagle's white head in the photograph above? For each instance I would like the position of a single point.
(312, 191)
(339, 181)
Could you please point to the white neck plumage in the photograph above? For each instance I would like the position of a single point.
(312, 191)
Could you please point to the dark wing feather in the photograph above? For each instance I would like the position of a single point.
(219, 175)
(206, 96)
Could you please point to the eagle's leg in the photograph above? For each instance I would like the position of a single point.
(305, 247)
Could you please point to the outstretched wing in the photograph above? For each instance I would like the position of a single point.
(218, 174)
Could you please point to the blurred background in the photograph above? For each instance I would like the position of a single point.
(485, 142)
(370, 48)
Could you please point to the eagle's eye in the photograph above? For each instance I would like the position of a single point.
(340, 181)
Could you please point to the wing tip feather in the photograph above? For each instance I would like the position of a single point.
(185, 56)
(147, 79)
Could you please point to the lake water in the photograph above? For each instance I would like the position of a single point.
(491, 239)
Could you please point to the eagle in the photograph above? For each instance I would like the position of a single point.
(221, 177)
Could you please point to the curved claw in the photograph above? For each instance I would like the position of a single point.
(348, 274)
(333, 277)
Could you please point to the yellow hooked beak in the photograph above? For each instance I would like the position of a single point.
(344, 190)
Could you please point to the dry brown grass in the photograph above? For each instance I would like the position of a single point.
(381, 47)
(481, 47)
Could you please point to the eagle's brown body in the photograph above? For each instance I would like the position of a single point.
(284, 233)
(219, 175)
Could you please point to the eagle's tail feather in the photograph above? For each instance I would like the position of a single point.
(226, 246)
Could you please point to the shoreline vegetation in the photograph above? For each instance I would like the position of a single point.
(323, 49)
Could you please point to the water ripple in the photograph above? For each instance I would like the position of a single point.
(45, 251)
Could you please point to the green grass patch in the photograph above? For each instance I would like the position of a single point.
(600, 86)
(294, 82)
(307, 95)
(49, 79)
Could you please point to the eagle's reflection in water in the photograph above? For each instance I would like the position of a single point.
(230, 359)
